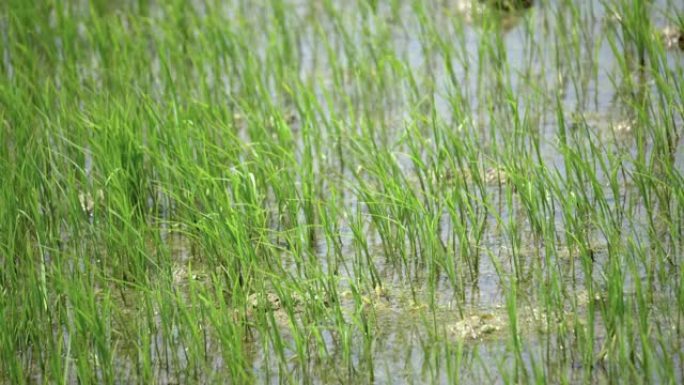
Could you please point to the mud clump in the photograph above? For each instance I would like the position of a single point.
(673, 38)
(478, 326)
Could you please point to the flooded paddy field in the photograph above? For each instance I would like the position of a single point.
(330, 192)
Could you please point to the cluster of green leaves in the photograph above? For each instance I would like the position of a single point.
(316, 191)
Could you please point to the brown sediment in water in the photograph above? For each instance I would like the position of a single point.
(673, 37)
(508, 5)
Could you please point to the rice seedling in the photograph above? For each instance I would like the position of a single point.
(299, 191)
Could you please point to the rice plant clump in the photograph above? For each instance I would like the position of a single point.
(326, 192)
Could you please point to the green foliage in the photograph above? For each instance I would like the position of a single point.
(341, 192)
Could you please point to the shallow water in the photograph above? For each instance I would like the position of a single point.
(598, 96)
(412, 325)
